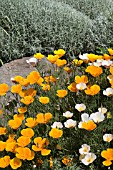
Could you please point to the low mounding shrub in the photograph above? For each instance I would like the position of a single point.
(61, 119)
(29, 26)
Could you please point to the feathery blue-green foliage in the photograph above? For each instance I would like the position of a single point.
(29, 26)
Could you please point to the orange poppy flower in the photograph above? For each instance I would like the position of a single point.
(28, 92)
(22, 109)
(72, 87)
(45, 87)
(3, 89)
(15, 124)
(28, 132)
(10, 147)
(10, 138)
(108, 155)
(4, 161)
(2, 145)
(33, 77)
(92, 90)
(106, 57)
(81, 79)
(40, 81)
(39, 56)
(23, 141)
(61, 93)
(24, 153)
(3, 131)
(15, 163)
(44, 100)
(20, 116)
(93, 57)
(50, 79)
(59, 52)
(55, 133)
(94, 70)
(67, 69)
(66, 161)
(40, 145)
(16, 88)
(43, 118)
(17, 79)
(60, 62)
(31, 157)
(21, 80)
(89, 125)
(52, 58)
(27, 100)
(31, 122)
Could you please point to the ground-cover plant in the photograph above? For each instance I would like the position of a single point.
(61, 119)
(28, 26)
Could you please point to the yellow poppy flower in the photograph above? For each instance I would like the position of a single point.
(44, 100)
(28, 132)
(72, 87)
(23, 141)
(94, 70)
(59, 52)
(3, 131)
(39, 56)
(108, 155)
(33, 77)
(67, 69)
(24, 153)
(92, 90)
(52, 58)
(15, 163)
(16, 88)
(4, 161)
(22, 109)
(110, 50)
(15, 124)
(60, 62)
(43, 118)
(55, 133)
(31, 122)
(61, 93)
(40, 145)
(3, 89)
(27, 100)
(2, 145)
(81, 79)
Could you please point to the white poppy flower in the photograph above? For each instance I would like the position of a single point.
(57, 125)
(107, 63)
(85, 149)
(85, 117)
(80, 107)
(108, 92)
(97, 117)
(102, 110)
(108, 137)
(84, 56)
(97, 63)
(70, 123)
(68, 114)
(81, 86)
(32, 61)
(88, 159)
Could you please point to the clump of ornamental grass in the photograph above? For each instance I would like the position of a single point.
(60, 119)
